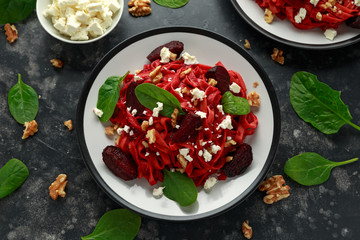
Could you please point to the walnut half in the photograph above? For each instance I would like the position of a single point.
(11, 32)
(274, 189)
(139, 8)
(247, 230)
(56, 189)
(30, 129)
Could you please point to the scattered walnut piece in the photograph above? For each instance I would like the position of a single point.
(274, 189)
(212, 82)
(56, 189)
(110, 130)
(319, 16)
(145, 144)
(150, 134)
(156, 75)
(173, 56)
(253, 99)
(277, 56)
(117, 140)
(144, 125)
(57, 63)
(69, 124)
(182, 160)
(255, 84)
(184, 73)
(269, 16)
(229, 158)
(30, 129)
(185, 90)
(139, 8)
(174, 117)
(247, 230)
(247, 44)
(11, 32)
(230, 143)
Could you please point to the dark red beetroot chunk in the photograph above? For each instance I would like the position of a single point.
(121, 164)
(131, 99)
(187, 128)
(174, 47)
(240, 162)
(221, 75)
(354, 22)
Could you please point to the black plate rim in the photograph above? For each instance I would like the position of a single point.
(95, 174)
(329, 46)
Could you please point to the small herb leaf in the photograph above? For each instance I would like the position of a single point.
(310, 168)
(12, 175)
(149, 94)
(108, 96)
(23, 102)
(318, 104)
(172, 3)
(12, 11)
(235, 105)
(180, 188)
(116, 224)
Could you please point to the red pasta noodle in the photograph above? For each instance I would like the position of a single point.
(332, 15)
(152, 158)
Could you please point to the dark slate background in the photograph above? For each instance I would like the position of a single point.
(327, 211)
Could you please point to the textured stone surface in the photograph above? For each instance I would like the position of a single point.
(327, 211)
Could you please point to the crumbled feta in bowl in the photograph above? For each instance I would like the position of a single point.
(79, 21)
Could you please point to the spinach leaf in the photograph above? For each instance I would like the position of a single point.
(108, 96)
(318, 104)
(235, 105)
(310, 168)
(116, 224)
(172, 3)
(23, 102)
(180, 188)
(12, 11)
(149, 94)
(12, 175)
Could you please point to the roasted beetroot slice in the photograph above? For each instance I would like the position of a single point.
(131, 99)
(240, 162)
(187, 128)
(354, 22)
(221, 75)
(174, 47)
(121, 164)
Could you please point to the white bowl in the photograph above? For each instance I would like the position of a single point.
(46, 23)
(137, 194)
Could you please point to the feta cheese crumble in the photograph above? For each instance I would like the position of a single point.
(185, 152)
(197, 94)
(226, 123)
(82, 19)
(220, 108)
(330, 33)
(314, 2)
(215, 148)
(234, 88)
(357, 3)
(151, 121)
(98, 112)
(178, 90)
(210, 183)
(300, 16)
(188, 59)
(157, 109)
(158, 192)
(201, 114)
(165, 55)
(207, 156)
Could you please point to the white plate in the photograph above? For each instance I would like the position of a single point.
(284, 31)
(209, 48)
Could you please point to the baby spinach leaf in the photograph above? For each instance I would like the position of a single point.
(116, 224)
(149, 94)
(23, 102)
(310, 168)
(12, 175)
(234, 105)
(108, 96)
(172, 3)
(179, 188)
(318, 104)
(12, 11)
